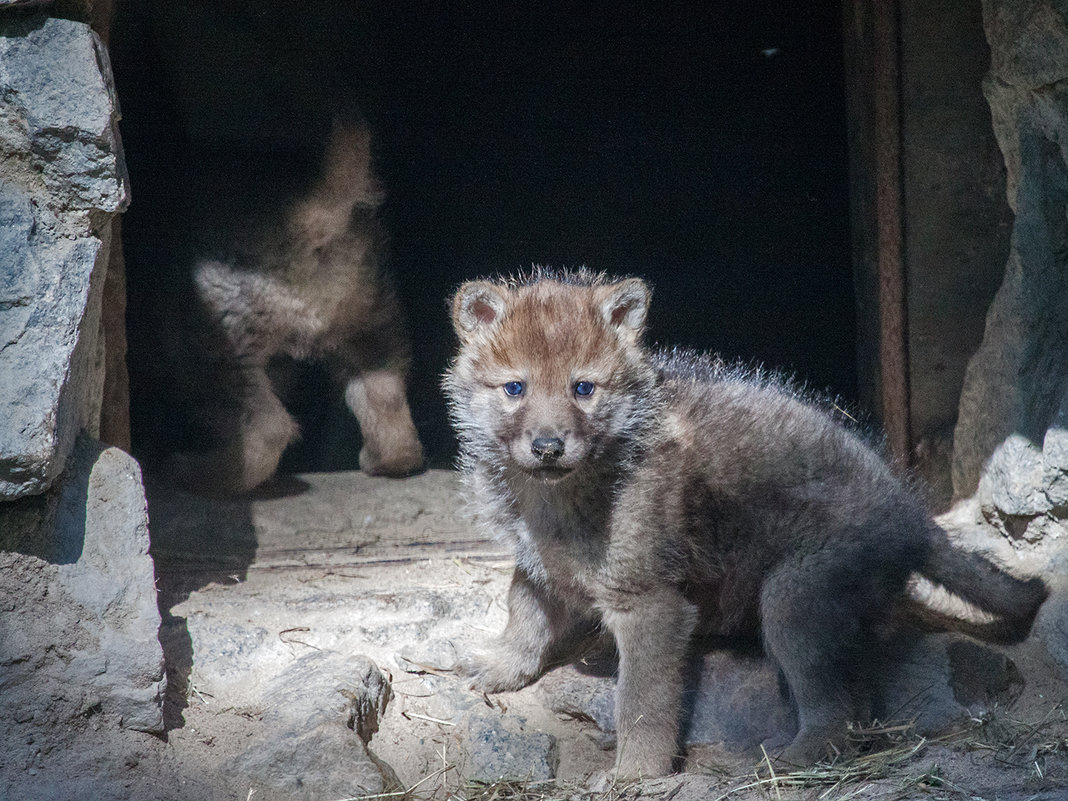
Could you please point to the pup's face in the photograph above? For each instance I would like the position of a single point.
(549, 374)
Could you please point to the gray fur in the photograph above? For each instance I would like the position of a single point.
(704, 500)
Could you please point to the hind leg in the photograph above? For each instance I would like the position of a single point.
(390, 443)
(251, 453)
(244, 312)
(813, 629)
(266, 431)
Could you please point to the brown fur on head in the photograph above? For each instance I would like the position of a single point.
(479, 305)
(550, 368)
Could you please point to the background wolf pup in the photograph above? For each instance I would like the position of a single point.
(662, 496)
(305, 282)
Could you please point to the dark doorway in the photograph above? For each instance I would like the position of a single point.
(701, 146)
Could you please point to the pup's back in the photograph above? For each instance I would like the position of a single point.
(749, 476)
(794, 526)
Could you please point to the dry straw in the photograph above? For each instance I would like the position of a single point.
(881, 763)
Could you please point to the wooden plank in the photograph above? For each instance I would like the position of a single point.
(873, 65)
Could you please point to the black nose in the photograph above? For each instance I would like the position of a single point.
(548, 449)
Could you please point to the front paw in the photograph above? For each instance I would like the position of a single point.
(496, 671)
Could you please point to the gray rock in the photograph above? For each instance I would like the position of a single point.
(370, 694)
(320, 714)
(327, 687)
(1027, 479)
(49, 330)
(226, 653)
(1028, 41)
(1011, 439)
(1018, 380)
(567, 692)
(81, 621)
(499, 747)
(1014, 481)
(61, 113)
(326, 762)
(62, 179)
(432, 654)
(112, 577)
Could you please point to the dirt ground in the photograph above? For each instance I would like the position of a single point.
(324, 569)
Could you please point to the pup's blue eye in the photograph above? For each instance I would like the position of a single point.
(513, 388)
(584, 388)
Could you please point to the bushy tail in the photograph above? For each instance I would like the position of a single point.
(968, 593)
(346, 182)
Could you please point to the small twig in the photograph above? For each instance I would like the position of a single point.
(419, 667)
(400, 793)
(293, 640)
(417, 716)
(1031, 732)
(843, 411)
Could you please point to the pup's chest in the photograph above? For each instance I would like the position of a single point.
(567, 541)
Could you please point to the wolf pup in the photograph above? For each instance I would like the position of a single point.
(304, 282)
(661, 496)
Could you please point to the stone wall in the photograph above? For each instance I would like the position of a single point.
(63, 179)
(78, 634)
(1011, 440)
(1010, 455)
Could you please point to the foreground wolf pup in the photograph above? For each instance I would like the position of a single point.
(663, 496)
(303, 282)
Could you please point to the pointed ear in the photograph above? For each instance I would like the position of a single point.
(477, 306)
(624, 305)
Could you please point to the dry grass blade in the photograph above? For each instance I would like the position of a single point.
(405, 795)
(417, 716)
(527, 790)
(1018, 743)
(555, 790)
(771, 771)
(833, 776)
